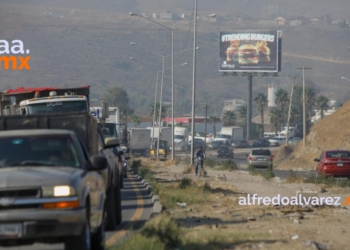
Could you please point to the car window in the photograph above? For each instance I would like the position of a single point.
(46, 150)
(337, 154)
(260, 152)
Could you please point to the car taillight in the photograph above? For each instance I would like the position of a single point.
(271, 158)
(250, 158)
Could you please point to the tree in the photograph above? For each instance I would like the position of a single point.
(213, 120)
(321, 104)
(229, 118)
(118, 97)
(276, 118)
(282, 100)
(310, 97)
(261, 103)
(242, 114)
(151, 113)
(136, 120)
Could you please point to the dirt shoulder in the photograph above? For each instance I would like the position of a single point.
(255, 227)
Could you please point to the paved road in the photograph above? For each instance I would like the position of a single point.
(240, 159)
(137, 208)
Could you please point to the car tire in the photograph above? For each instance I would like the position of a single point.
(82, 242)
(118, 208)
(110, 206)
(98, 239)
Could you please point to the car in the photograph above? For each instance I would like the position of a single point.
(225, 151)
(260, 157)
(122, 151)
(261, 143)
(51, 190)
(293, 140)
(198, 143)
(240, 144)
(111, 175)
(276, 141)
(215, 144)
(333, 163)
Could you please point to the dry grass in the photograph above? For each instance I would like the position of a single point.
(293, 178)
(325, 134)
(188, 169)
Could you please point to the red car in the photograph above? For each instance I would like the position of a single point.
(334, 163)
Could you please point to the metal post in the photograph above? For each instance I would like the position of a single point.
(154, 109)
(172, 94)
(249, 107)
(205, 127)
(304, 110)
(290, 110)
(194, 80)
(304, 106)
(160, 109)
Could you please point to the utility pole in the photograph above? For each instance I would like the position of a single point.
(289, 110)
(304, 106)
(206, 106)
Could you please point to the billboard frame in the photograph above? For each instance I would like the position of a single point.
(256, 72)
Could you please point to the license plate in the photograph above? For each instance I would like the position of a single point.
(339, 164)
(261, 159)
(11, 230)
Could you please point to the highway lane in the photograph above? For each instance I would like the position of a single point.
(137, 207)
(240, 159)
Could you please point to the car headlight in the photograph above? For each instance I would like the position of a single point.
(58, 191)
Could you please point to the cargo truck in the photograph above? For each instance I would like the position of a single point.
(139, 141)
(230, 134)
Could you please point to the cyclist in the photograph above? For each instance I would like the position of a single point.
(199, 153)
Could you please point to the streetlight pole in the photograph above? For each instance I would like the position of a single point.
(304, 106)
(194, 80)
(290, 110)
(154, 109)
(344, 78)
(160, 108)
(172, 62)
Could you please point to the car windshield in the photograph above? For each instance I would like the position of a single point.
(223, 149)
(260, 152)
(338, 154)
(108, 129)
(57, 107)
(225, 136)
(45, 150)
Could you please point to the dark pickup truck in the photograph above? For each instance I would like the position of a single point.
(50, 190)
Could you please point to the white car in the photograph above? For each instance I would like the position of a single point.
(276, 141)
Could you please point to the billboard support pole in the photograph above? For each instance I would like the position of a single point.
(249, 107)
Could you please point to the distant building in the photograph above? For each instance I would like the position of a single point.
(167, 15)
(269, 11)
(280, 21)
(267, 22)
(233, 105)
(296, 23)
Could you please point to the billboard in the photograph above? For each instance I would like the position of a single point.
(249, 51)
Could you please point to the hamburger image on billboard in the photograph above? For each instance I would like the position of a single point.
(249, 51)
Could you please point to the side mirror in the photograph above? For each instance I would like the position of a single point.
(111, 142)
(99, 162)
(127, 158)
(316, 160)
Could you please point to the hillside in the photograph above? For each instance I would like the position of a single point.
(330, 133)
(90, 44)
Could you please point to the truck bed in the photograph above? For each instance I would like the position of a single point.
(83, 124)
